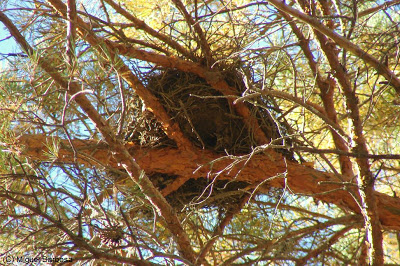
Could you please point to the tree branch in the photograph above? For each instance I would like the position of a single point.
(385, 5)
(300, 179)
(203, 41)
(77, 240)
(121, 153)
(171, 128)
(329, 243)
(140, 24)
(365, 178)
(326, 87)
(218, 231)
(341, 41)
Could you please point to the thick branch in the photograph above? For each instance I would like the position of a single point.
(326, 87)
(121, 153)
(152, 103)
(365, 178)
(301, 179)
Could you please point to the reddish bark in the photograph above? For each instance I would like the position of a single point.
(301, 179)
(365, 178)
(341, 41)
(120, 152)
(327, 88)
(152, 103)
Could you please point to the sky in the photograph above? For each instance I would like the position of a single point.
(7, 45)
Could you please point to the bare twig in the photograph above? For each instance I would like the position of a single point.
(126, 160)
(71, 33)
(341, 41)
(218, 231)
(199, 31)
(140, 24)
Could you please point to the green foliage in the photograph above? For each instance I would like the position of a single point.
(87, 208)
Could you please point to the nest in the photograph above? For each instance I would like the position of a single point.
(202, 113)
(202, 193)
(206, 118)
(112, 235)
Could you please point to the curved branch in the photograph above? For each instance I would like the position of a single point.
(203, 41)
(140, 24)
(172, 129)
(121, 153)
(341, 41)
(300, 179)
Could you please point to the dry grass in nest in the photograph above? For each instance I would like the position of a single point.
(143, 128)
(206, 118)
(203, 193)
(204, 114)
